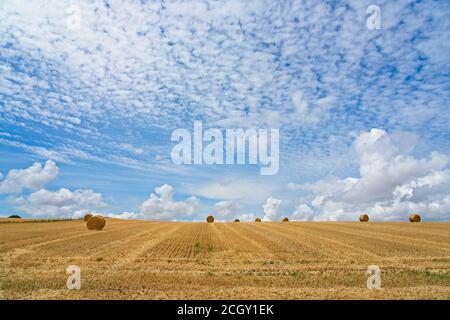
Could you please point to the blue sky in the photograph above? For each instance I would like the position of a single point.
(363, 114)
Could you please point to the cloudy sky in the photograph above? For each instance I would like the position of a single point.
(90, 92)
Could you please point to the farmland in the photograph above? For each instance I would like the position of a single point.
(188, 260)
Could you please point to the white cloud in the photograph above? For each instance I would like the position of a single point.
(160, 205)
(303, 212)
(300, 103)
(247, 217)
(238, 188)
(130, 148)
(309, 113)
(392, 184)
(227, 208)
(61, 203)
(124, 215)
(34, 177)
(156, 65)
(271, 208)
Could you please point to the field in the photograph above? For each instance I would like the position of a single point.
(181, 260)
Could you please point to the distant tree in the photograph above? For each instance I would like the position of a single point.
(15, 216)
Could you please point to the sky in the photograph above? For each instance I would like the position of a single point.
(91, 91)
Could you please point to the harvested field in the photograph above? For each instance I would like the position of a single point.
(181, 260)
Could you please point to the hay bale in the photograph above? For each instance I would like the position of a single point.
(364, 218)
(87, 216)
(414, 218)
(237, 220)
(210, 219)
(96, 223)
(257, 220)
(285, 219)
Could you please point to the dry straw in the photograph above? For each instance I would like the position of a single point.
(87, 216)
(257, 220)
(414, 218)
(96, 223)
(237, 220)
(210, 219)
(364, 218)
(285, 219)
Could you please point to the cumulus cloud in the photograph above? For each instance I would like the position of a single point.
(161, 206)
(61, 203)
(124, 215)
(227, 208)
(271, 208)
(58, 204)
(247, 217)
(391, 184)
(34, 177)
(303, 212)
(241, 189)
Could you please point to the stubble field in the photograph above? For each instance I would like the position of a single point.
(181, 260)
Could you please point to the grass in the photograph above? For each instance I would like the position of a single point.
(25, 220)
(198, 248)
(437, 276)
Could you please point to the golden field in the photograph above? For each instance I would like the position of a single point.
(188, 260)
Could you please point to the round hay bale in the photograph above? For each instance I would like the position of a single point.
(237, 220)
(96, 223)
(285, 219)
(414, 218)
(87, 216)
(257, 220)
(364, 218)
(210, 219)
